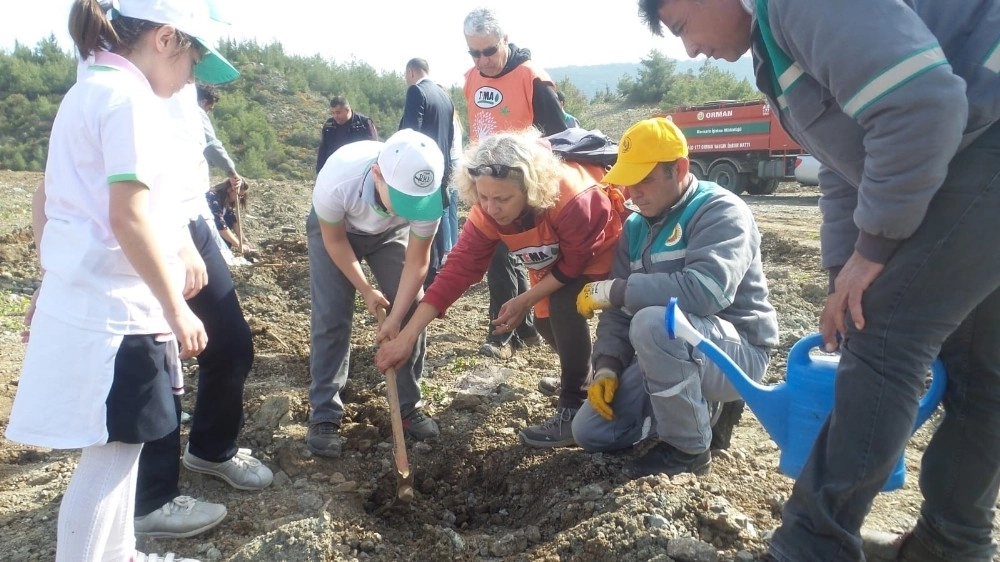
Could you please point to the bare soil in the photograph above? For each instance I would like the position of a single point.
(480, 494)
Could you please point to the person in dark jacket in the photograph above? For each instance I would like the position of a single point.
(343, 127)
(506, 91)
(429, 110)
(905, 120)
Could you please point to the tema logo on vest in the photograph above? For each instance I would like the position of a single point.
(488, 97)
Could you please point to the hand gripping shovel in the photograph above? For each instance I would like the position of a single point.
(404, 478)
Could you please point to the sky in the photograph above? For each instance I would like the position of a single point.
(387, 33)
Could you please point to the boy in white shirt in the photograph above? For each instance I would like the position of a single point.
(380, 202)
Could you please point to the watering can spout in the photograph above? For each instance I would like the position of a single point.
(768, 403)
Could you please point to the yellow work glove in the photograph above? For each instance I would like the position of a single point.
(594, 296)
(601, 392)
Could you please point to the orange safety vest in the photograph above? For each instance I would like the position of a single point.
(504, 103)
(538, 247)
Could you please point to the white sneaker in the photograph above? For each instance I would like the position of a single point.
(242, 471)
(168, 557)
(183, 517)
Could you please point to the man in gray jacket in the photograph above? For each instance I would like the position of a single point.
(900, 102)
(215, 152)
(695, 241)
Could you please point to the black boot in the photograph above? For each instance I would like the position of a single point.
(664, 458)
(880, 546)
(729, 418)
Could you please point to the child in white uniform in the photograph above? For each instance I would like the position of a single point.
(102, 348)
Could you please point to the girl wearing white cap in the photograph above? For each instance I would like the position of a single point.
(110, 240)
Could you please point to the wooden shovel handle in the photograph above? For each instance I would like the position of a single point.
(399, 441)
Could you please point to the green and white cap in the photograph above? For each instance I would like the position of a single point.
(192, 17)
(412, 165)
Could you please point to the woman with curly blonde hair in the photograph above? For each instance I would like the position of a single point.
(556, 217)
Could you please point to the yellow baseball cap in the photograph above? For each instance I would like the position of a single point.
(643, 146)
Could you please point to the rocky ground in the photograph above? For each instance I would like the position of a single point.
(480, 494)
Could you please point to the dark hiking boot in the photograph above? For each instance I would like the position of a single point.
(729, 418)
(550, 386)
(324, 439)
(880, 546)
(556, 431)
(497, 350)
(420, 427)
(666, 459)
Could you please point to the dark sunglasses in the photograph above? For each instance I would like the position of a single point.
(498, 171)
(487, 52)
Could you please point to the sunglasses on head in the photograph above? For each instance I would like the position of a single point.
(487, 52)
(499, 171)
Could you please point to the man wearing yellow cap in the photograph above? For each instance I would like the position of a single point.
(693, 240)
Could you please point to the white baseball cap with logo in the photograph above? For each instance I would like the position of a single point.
(191, 17)
(412, 165)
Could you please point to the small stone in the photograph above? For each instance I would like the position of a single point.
(687, 549)
(591, 492)
(347, 487)
(656, 521)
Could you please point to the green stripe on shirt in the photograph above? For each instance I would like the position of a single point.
(123, 177)
(894, 77)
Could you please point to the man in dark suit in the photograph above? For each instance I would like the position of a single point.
(430, 111)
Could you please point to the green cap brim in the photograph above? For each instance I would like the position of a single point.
(213, 67)
(416, 207)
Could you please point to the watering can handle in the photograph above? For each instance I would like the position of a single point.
(678, 326)
(799, 354)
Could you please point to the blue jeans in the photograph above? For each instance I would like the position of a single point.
(449, 222)
(939, 294)
(444, 238)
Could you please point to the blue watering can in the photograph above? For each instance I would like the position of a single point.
(793, 412)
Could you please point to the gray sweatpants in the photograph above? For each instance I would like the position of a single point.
(671, 382)
(333, 314)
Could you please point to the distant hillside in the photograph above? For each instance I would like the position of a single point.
(594, 79)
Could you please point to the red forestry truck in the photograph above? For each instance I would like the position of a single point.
(738, 144)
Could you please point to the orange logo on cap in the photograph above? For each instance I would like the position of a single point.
(626, 144)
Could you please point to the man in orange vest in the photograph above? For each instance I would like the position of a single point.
(506, 92)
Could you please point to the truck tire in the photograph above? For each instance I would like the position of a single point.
(725, 174)
(759, 186)
(698, 169)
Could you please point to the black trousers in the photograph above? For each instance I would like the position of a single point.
(222, 371)
(507, 278)
(569, 335)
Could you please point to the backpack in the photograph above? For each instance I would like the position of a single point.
(591, 147)
(580, 145)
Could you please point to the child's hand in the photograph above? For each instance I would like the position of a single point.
(195, 272)
(190, 333)
(28, 315)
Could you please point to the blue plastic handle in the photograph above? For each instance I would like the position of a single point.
(928, 403)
